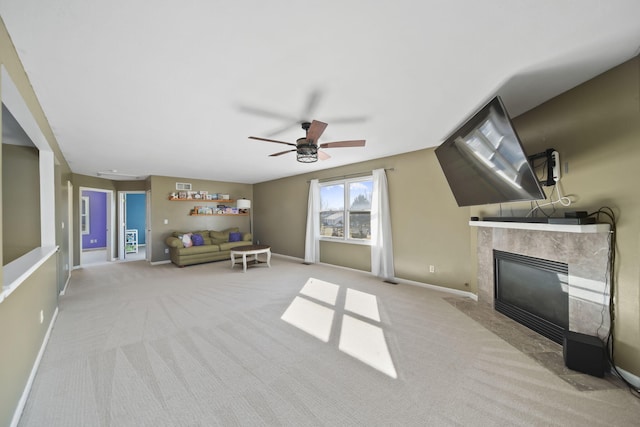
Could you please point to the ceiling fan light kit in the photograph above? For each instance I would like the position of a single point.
(307, 148)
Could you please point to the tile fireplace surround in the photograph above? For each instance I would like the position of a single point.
(584, 249)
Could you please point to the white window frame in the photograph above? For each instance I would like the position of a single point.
(346, 233)
(84, 215)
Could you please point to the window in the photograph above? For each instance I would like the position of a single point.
(352, 223)
(84, 214)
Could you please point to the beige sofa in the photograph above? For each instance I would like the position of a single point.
(215, 246)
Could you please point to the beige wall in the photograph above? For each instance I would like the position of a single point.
(428, 228)
(21, 333)
(21, 201)
(177, 212)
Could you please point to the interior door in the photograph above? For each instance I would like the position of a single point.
(148, 227)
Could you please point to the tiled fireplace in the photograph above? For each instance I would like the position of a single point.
(584, 249)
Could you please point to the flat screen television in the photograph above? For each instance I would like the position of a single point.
(484, 162)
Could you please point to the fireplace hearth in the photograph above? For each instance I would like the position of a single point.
(533, 292)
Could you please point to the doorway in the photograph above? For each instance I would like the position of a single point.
(132, 230)
(96, 219)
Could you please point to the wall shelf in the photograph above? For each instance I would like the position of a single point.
(565, 228)
(225, 214)
(202, 200)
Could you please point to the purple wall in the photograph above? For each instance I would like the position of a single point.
(97, 238)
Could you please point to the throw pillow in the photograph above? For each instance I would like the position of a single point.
(235, 237)
(186, 240)
(197, 240)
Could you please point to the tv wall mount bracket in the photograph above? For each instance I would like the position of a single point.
(552, 163)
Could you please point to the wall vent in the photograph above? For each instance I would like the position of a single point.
(185, 186)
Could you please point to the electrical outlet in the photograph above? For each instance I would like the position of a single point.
(432, 269)
(166, 250)
(41, 316)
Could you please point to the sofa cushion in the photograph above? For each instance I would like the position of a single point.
(197, 239)
(194, 250)
(235, 236)
(223, 235)
(174, 242)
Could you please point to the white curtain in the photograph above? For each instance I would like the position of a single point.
(381, 240)
(312, 240)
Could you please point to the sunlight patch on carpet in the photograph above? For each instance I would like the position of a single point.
(360, 337)
(362, 303)
(321, 290)
(366, 343)
(310, 317)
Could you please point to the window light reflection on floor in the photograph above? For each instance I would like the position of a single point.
(359, 337)
(366, 343)
(310, 317)
(362, 303)
(321, 290)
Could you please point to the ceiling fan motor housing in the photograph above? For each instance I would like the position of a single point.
(306, 152)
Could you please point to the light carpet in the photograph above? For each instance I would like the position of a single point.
(140, 345)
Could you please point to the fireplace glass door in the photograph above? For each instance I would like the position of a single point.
(533, 292)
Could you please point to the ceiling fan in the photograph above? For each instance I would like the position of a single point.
(307, 148)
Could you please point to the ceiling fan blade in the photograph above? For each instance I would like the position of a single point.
(338, 144)
(272, 140)
(265, 113)
(352, 119)
(285, 128)
(322, 155)
(281, 153)
(315, 130)
(312, 103)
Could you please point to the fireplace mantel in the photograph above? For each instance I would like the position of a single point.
(537, 226)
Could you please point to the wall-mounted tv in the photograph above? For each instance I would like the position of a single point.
(484, 161)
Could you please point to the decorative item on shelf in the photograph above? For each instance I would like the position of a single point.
(182, 194)
(223, 196)
(174, 196)
(243, 205)
(204, 210)
(204, 194)
(214, 196)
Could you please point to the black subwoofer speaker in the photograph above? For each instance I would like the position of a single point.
(584, 353)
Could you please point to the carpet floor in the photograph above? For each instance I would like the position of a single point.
(291, 345)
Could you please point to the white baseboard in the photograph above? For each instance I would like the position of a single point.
(439, 288)
(399, 280)
(168, 261)
(27, 389)
(632, 379)
(289, 257)
(64, 289)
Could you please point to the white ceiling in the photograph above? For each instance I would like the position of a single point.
(171, 87)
